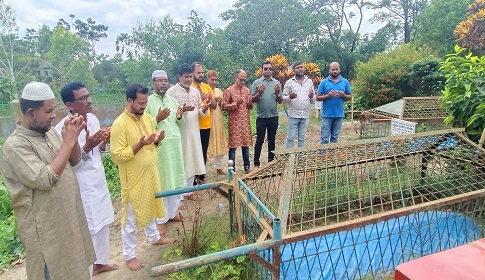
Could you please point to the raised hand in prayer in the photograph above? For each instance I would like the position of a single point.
(162, 114)
(293, 95)
(207, 97)
(205, 108)
(188, 107)
(159, 137)
(72, 127)
(180, 111)
(93, 140)
(147, 140)
(261, 89)
(105, 137)
(310, 94)
(277, 89)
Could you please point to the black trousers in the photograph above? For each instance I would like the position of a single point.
(263, 125)
(204, 140)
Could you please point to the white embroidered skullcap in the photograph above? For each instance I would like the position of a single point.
(159, 74)
(37, 91)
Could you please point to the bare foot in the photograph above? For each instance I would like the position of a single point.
(182, 206)
(100, 268)
(221, 172)
(134, 264)
(177, 218)
(163, 240)
(193, 196)
(161, 229)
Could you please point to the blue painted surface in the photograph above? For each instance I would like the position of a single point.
(377, 247)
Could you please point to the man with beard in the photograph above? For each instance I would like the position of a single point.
(333, 91)
(266, 95)
(193, 107)
(238, 101)
(90, 172)
(207, 96)
(44, 191)
(133, 149)
(167, 115)
(299, 94)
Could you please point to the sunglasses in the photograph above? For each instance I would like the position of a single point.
(267, 68)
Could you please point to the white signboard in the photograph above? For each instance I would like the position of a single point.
(402, 127)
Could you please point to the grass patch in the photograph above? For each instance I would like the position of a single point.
(213, 235)
(10, 246)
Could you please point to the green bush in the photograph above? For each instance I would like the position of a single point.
(464, 93)
(112, 177)
(425, 77)
(10, 246)
(234, 269)
(386, 77)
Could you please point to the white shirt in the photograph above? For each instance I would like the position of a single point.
(300, 106)
(92, 180)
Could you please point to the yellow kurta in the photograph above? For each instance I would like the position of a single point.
(139, 176)
(218, 137)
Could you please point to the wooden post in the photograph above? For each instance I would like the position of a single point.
(17, 113)
(237, 204)
(482, 139)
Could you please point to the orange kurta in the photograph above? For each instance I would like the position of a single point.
(204, 121)
(239, 125)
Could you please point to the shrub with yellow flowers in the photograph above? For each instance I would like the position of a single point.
(313, 72)
(471, 32)
(282, 71)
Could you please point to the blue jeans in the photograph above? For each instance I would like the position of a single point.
(296, 126)
(245, 155)
(330, 129)
(46, 273)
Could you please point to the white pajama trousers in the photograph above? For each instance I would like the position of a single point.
(171, 204)
(219, 162)
(189, 183)
(128, 233)
(101, 245)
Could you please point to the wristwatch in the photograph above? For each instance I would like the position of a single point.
(84, 156)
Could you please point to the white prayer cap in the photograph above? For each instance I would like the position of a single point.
(37, 91)
(159, 74)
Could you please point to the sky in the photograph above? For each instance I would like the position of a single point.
(119, 15)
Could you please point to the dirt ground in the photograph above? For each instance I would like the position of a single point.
(152, 255)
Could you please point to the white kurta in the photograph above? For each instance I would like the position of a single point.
(92, 181)
(191, 145)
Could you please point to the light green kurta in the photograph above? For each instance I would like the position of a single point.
(170, 156)
(48, 208)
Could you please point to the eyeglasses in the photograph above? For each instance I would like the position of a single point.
(83, 98)
(267, 68)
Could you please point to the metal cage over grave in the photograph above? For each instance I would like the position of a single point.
(426, 111)
(357, 210)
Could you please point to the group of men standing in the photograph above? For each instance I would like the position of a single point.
(160, 142)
